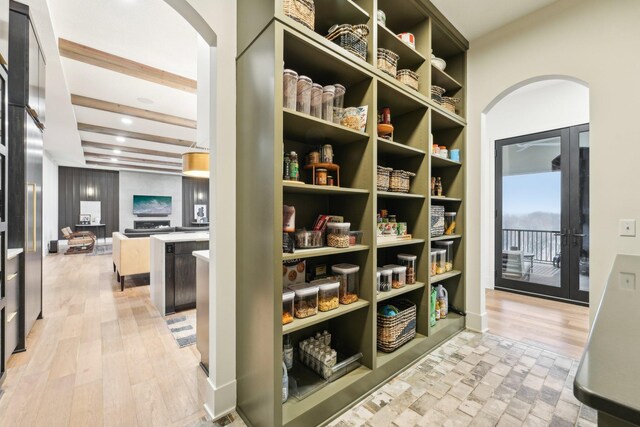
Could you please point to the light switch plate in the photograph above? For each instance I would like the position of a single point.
(628, 281)
(628, 227)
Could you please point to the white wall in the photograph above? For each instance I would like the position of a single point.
(149, 184)
(593, 41)
(536, 107)
(49, 201)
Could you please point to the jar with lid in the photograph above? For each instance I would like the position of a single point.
(321, 176)
(386, 277)
(338, 234)
(327, 153)
(349, 277)
(399, 275)
(382, 18)
(351, 118)
(378, 277)
(441, 261)
(328, 93)
(435, 149)
(305, 301)
(290, 89)
(447, 245)
(313, 157)
(328, 291)
(450, 223)
(303, 103)
(338, 101)
(316, 100)
(444, 153)
(330, 180)
(287, 307)
(409, 261)
(433, 263)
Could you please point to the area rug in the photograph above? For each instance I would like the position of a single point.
(102, 250)
(183, 329)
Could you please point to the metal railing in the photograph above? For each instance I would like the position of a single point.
(543, 244)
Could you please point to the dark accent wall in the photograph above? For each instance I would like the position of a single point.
(195, 191)
(79, 184)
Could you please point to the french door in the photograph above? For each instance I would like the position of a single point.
(542, 214)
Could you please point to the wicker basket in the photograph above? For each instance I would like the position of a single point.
(400, 181)
(388, 61)
(394, 331)
(437, 221)
(449, 103)
(408, 77)
(436, 94)
(352, 38)
(302, 11)
(383, 178)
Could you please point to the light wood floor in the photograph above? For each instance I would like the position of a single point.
(100, 356)
(559, 327)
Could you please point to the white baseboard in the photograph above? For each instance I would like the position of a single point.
(477, 322)
(220, 401)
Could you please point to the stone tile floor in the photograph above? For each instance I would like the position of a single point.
(473, 380)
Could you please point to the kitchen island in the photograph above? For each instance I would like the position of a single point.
(173, 270)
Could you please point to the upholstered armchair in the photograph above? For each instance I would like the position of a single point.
(79, 240)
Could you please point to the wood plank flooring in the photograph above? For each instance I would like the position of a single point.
(100, 356)
(555, 326)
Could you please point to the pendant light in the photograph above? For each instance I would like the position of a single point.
(196, 163)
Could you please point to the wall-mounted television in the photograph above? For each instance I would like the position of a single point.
(151, 205)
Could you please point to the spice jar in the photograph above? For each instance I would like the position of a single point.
(330, 180)
(348, 275)
(399, 275)
(328, 93)
(385, 279)
(351, 118)
(289, 89)
(316, 100)
(441, 261)
(338, 101)
(327, 153)
(303, 102)
(327, 294)
(409, 261)
(449, 222)
(447, 246)
(321, 176)
(338, 234)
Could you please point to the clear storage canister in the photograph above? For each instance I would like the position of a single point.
(289, 88)
(316, 100)
(328, 291)
(349, 277)
(441, 261)
(287, 307)
(433, 262)
(305, 302)
(447, 245)
(409, 261)
(328, 93)
(399, 276)
(386, 275)
(338, 101)
(378, 276)
(338, 234)
(450, 222)
(303, 103)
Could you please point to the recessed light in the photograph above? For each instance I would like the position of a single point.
(117, 151)
(113, 159)
(120, 139)
(145, 100)
(126, 120)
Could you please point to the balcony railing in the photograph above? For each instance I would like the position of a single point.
(543, 244)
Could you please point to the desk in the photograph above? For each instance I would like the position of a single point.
(98, 227)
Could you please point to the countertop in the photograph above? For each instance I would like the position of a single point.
(182, 237)
(203, 255)
(608, 377)
(14, 252)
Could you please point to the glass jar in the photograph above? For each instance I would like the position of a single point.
(349, 277)
(338, 234)
(303, 102)
(386, 277)
(289, 89)
(321, 176)
(382, 18)
(338, 101)
(450, 222)
(316, 100)
(443, 152)
(328, 291)
(313, 157)
(351, 118)
(447, 245)
(330, 181)
(378, 276)
(409, 261)
(441, 261)
(399, 275)
(287, 307)
(328, 93)
(305, 302)
(327, 153)
(433, 263)
(355, 237)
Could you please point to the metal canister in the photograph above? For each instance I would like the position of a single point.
(327, 153)
(386, 116)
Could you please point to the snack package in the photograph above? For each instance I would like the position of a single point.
(293, 272)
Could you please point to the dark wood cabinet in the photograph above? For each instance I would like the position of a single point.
(4, 32)
(180, 275)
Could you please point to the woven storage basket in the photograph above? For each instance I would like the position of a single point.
(436, 94)
(302, 11)
(449, 103)
(400, 181)
(394, 331)
(352, 38)
(437, 221)
(408, 77)
(383, 178)
(388, 62)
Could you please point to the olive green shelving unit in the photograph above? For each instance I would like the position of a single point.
(268, 42)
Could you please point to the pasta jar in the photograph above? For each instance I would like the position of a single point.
(287, 307)
(409, 261)
(378, 277)
(316, 100)
(303, 103)
(399, 276)
(351, 118)
(289, 89)
(348, 276)
(338, 101)
(338, 234)
(385, 279)
(328, 93)
(305, 301)
(328, 291)
(447, 245)
(321, 176)
(449, 222)
(441, 261)
(433, 264)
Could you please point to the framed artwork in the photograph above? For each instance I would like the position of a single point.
(85, 218)
(200, 213)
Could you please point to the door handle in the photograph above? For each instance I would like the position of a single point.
(563, 235)
(574, 238)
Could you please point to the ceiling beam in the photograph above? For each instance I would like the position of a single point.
(120, 157)
(84, 127)
(112, 107)
(143, 168)
(134, 150)
(89, 55)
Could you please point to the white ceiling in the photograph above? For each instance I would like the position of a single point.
(475, 18)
